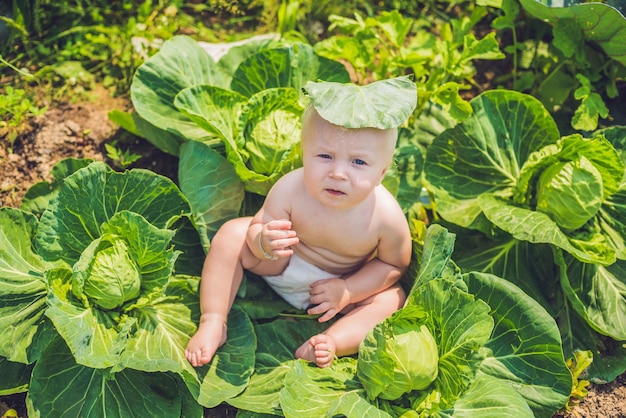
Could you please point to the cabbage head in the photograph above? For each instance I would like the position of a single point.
(269, 131)
(109, 275)
(398, 356)
(570, 192)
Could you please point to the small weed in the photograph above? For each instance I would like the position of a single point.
(577, 365)
(121, 158)
(16, 107)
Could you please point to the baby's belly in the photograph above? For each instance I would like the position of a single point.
(330, 262)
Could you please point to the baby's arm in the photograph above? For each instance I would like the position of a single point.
(269, 235)
(271, 240)
(393, 256)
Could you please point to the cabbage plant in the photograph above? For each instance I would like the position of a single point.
(535, 208)
(246, 105)
(93, 302)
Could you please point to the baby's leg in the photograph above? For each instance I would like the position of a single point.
(210, 336)
(344, 336)
(221, 277)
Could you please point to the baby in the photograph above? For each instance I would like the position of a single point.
(329, 238)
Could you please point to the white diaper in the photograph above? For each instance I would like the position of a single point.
(293, 284)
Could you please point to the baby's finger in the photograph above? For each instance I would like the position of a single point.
(319, 284)
(330, 314)
(319, 308)
(288, 242)
(323, 358)
(322, 301)
(287, 252)
(279, 224)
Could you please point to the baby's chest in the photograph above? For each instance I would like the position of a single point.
(348, 236)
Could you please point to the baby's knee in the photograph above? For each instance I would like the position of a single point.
(392, 297)
(233, 229)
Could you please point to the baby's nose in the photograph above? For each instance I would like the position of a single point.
(338, 171)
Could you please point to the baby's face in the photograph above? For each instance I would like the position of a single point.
(343, 166)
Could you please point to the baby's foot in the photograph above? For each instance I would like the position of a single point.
(210, 336)
(319, 349)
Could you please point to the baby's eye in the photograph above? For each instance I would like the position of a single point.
(324, 156)
(358, 161)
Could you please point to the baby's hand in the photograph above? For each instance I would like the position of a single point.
(330, 297)
(276, 238)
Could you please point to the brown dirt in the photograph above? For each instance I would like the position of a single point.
(80, 130)
(77, 130)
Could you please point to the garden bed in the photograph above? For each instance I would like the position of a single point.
(81, 130)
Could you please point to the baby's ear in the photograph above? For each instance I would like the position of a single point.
(382, 175)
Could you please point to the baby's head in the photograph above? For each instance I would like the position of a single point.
(314, 127)
(345, 112)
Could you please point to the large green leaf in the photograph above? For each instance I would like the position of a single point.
(22, 284)
(92, 195)
(289, 66)
(612, 220)
(525, 345)
(277, 342)
(180, 63)
(131, 121)
(62, 388)
(537, 227)
(597, 293)
(382, 104)
(484, 153)
(528, 266)
(532, 268)
(354, 404)
(487, 397)
(39, 195)
(323, 386)
(158, 343)
(600, 22)
(212, 187)
(213, 109)
(15, 377)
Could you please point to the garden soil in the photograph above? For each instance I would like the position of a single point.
(81, 130)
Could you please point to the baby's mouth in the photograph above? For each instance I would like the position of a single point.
(335, 192)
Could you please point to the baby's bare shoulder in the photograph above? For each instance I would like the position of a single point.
(290, 181)
(386, 204)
